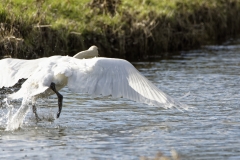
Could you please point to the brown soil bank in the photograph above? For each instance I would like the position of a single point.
(133, 31)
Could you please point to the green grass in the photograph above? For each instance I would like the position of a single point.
(132, 30)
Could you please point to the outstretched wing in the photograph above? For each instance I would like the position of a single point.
(39, 74)
(14, 69)
(118, 78)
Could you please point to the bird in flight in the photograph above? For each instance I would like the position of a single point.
(84, 73)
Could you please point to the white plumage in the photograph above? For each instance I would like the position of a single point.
(96, 76)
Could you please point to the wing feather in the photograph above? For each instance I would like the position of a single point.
(116, 85)
(97, 76)
(119, 78)
(14, 69)
(134, 79)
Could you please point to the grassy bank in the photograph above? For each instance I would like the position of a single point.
(133, 30)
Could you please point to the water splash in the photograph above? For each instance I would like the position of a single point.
(16, 120)
(15, 115)
(10, 110)
(5, 113)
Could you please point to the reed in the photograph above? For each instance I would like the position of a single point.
(134, 30)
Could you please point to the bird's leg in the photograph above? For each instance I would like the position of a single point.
(35, 112)
(60, 98)
(34, 109)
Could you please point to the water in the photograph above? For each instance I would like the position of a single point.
(105, 128)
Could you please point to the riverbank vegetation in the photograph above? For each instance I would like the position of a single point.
(134, 30)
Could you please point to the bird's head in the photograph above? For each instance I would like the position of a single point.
(90, 53)
(93, 48)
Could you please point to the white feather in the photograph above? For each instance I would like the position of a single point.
(14, 69)
(96, 76)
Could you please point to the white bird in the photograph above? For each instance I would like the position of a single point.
(95, 76)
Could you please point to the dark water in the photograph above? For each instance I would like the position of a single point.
(105, 128)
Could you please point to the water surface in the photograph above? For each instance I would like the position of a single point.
(106, 128)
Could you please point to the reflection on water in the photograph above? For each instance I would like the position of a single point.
(105, 128)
